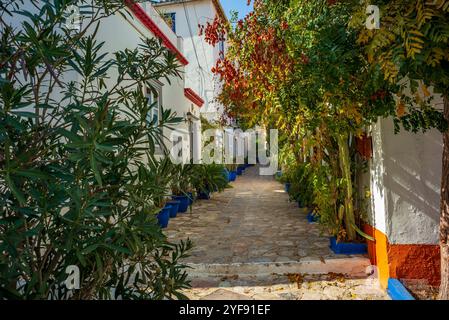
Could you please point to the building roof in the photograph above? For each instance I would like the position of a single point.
(146, 20)
(216, 3)
(192, 96)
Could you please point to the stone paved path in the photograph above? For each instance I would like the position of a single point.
(282, 287)
(252, 229)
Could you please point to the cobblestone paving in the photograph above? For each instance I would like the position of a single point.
(254, 222)
(280, 287)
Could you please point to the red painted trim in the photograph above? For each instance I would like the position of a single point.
(192, 96)
(140, 13)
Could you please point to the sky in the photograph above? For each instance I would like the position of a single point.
(236, 5)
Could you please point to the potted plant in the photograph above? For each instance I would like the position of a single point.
(191, 197)
(340, 247)
(209, 178)
(181, 186)
(232, 169)
(285, 179)
(164, 216)
(174, 204)
(313, 217)
(240, 170)
(159, 172)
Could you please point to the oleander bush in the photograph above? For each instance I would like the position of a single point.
(78, 180)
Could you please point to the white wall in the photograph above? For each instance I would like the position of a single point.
(406, 174)
(120, 33)
(377, 174)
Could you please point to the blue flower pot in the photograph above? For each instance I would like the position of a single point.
(204, 195)
(239, 171)
(287, 187)
(164, 216)
(232, 175)
(226, 174)
(191, 198)
(184, 203)
(312, 218)
(347, 248)
(174, 208)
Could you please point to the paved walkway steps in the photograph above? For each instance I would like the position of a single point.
(252, 235)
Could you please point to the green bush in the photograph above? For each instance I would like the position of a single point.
(79, 184)
(209, 177)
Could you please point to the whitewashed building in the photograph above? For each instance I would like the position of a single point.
(174, 95)
(120, 32)
(185, 17)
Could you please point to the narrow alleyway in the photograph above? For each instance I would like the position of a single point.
(252, 243)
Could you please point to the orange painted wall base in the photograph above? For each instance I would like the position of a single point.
(415, 262)
(403, 261)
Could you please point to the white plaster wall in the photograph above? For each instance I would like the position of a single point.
(119, 33)
(405, 184)
(412, 180)
(199, 76)
(378, 198)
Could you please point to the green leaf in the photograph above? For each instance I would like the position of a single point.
(90, 248)
(32, 173)
(363, 234)
(24, 114)
(17, 193)
(94, 166)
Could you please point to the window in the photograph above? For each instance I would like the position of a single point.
(154, 101)
(170, 19)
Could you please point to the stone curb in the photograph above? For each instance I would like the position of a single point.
(352, 266)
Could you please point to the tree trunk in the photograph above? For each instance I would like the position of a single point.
(444, 219)
(345, 164)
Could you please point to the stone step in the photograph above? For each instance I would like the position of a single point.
(354, 266)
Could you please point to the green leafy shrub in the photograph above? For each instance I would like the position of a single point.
(209, 177)
(79, 184)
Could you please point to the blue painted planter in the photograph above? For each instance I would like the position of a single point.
(184, 203)
(311, 218)
(287, 187)
(397, 291)
(204, 195)
(174, 208)
(191, 198)
(226, 174)
(232, 175)
(347, 248)
(164, 216)
(239, 171)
